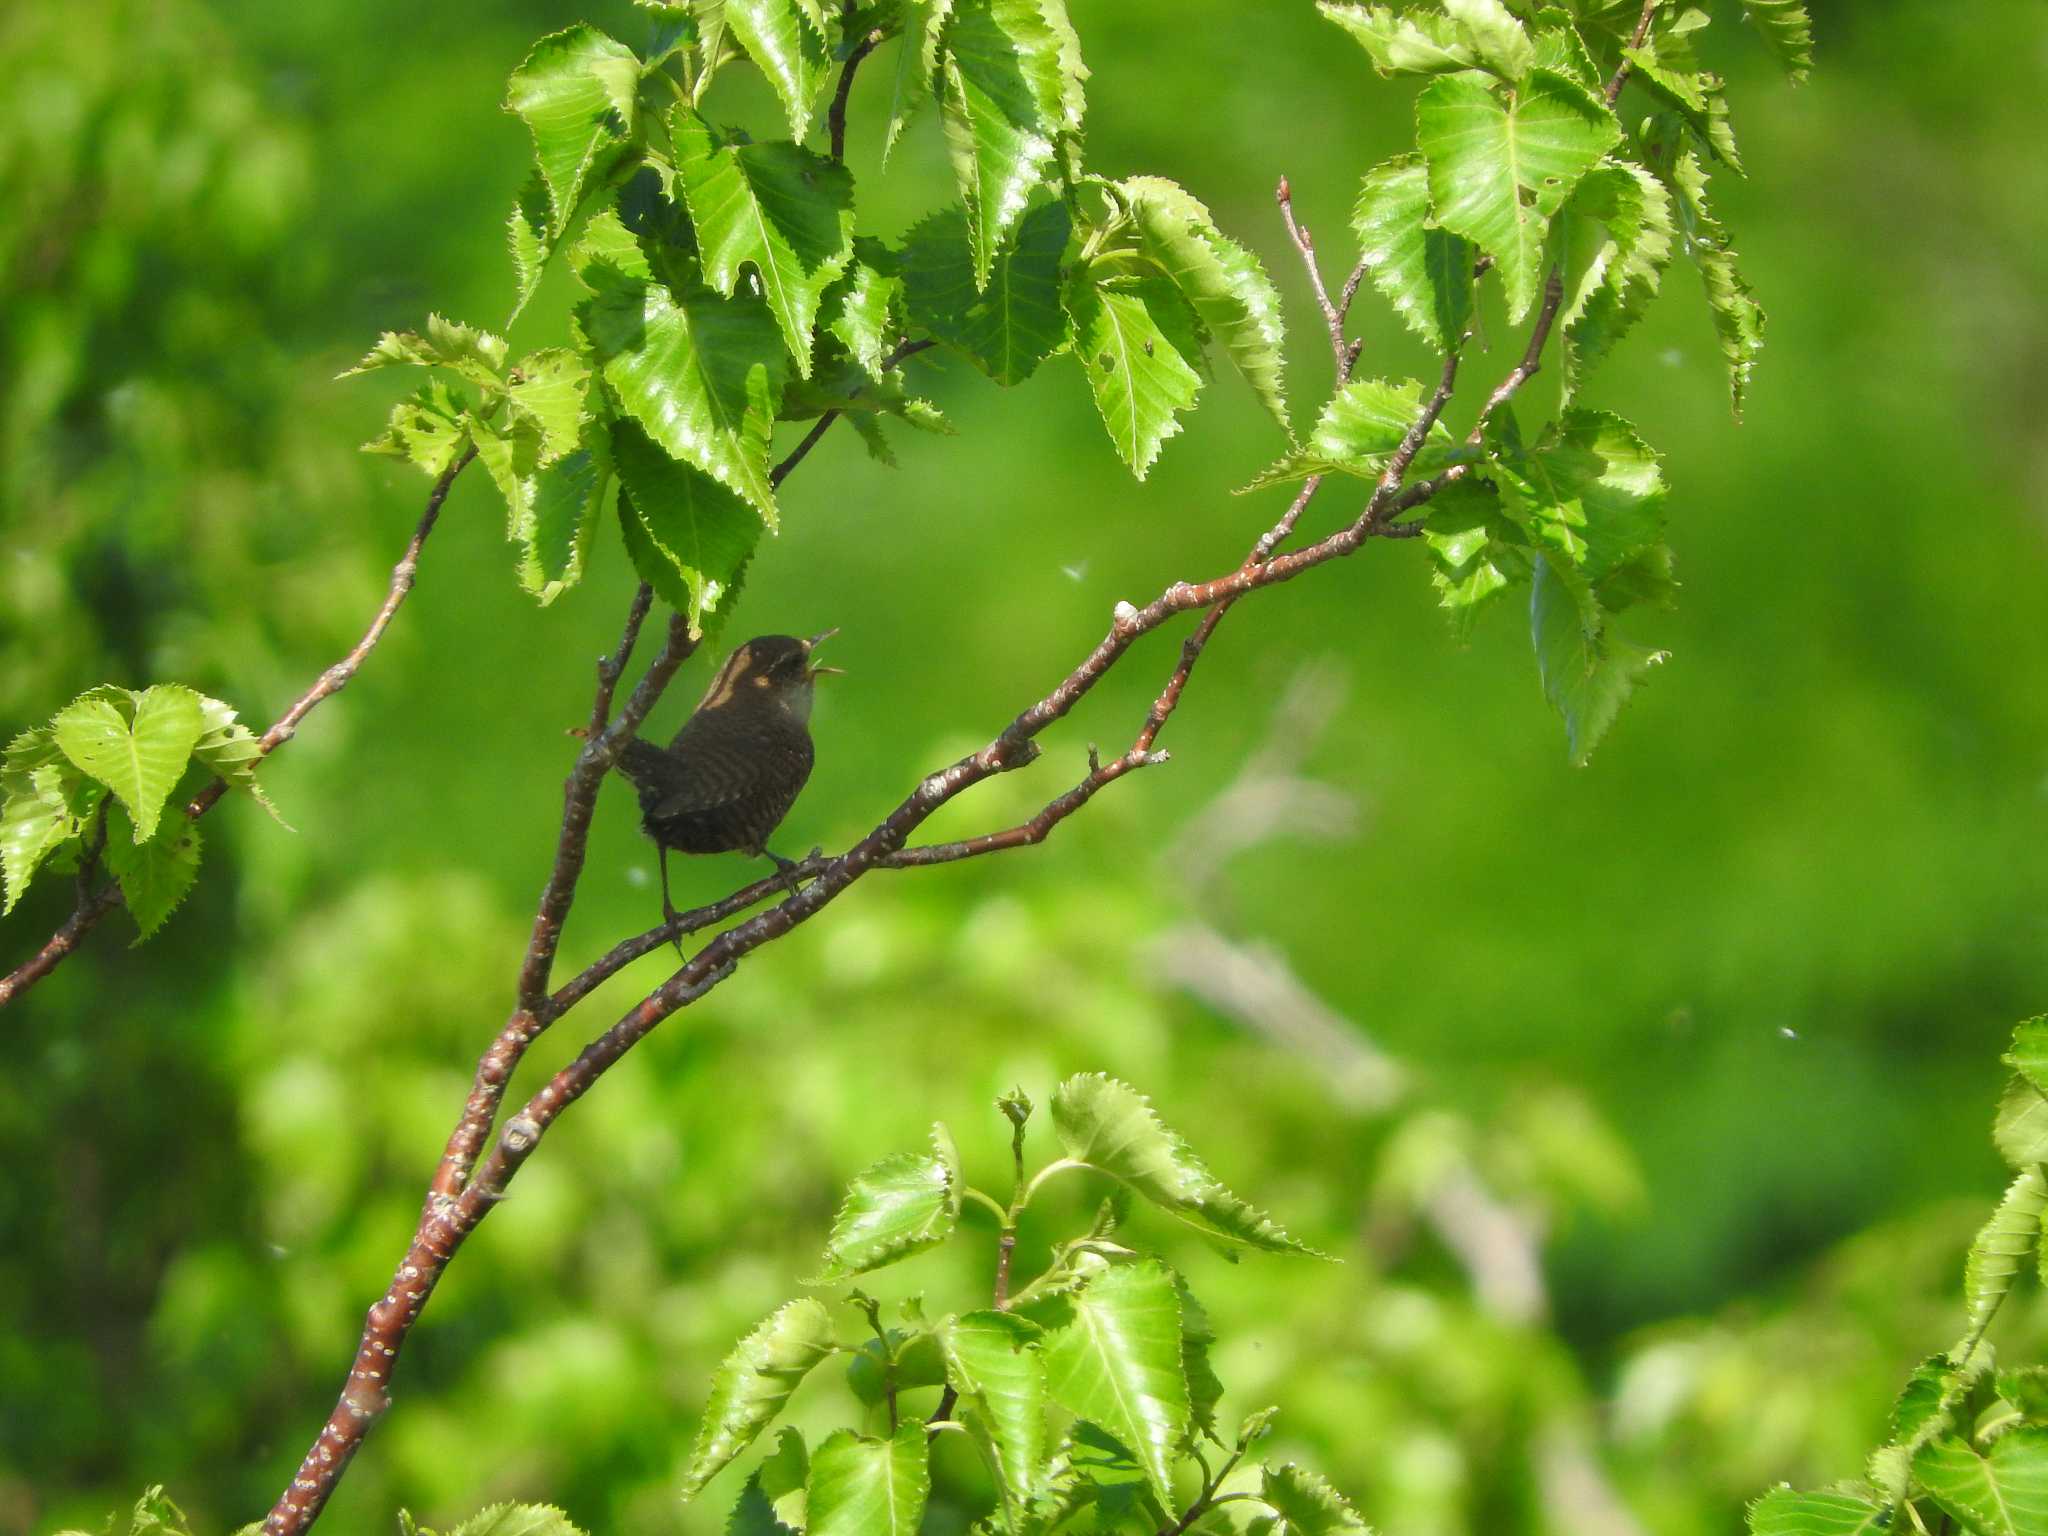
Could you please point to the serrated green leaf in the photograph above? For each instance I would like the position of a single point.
(578, 93)
(1307, 1505)
(689, 537)
(138, 748)
(35, 818)
(1498, 169)
(1477, 552)
(790, 50)
(1783, 1512)
(1786, 31)
(551, 505)
(1205, 1389)
(866, 1487)
(530, 239)
(1610, 293)
(231, 751)
(2026, 1388)
(754, 1383)
(919, 1363)
(2004, 1244)
(1136, 341)
(1499, 41)
(1738, 318)
(1409, 43)
(2029, 1053)
(773, 1501)
(1222, 282)
(992, 1363)
(1590, 490)
(1560, 47)
(518, 1520)
(1999, 1492)
(1588, 670)
(1011, 323)
(1002, 100)
(2021, 1128)
(155, 875)
(1695, 95)
(1423, 270)
(703, 375)
(1111, 1127)
(1115, 1360)
(1925, 1405)
(1357, 433)
(899, 1207)
(863, 304)
(552, 389)
(917, 63)
(776, 207)
(473, 353)
(429, 428)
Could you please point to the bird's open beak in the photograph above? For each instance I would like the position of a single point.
(813, 643)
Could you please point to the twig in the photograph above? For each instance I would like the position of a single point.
(89, 911)
(1620, 78)
(1333, 312)
(837, 116)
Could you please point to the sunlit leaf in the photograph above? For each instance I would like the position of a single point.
(1738, 318)
(1011, 323)
(1115, 1360)
(518, 1520)
(1357, 433)
(993, 1365)
(773, 1501)
(862, 306)
(1222, 281)
(1786, 31)
(2021, 1127)
(1408, 42)
(867, 1487)
(1588, 670)
(776, 207)
(156, 875)
(754, 1383)
(790, 50)
(429, 428)
(578, 93)
(232, 752)
(1498, 169)
(2001, 1248)
(1424, 270)
(917, 63)
(1478, 553)
(1783, 1512)
(1695, 95)
(1999, 1492)
(2029, 1053)
(1307, 1505)
(1111, 1127)
(688, 536)
(1003, 102)
(1498, 39)
(1136, 341)
(900, 1206)
(1613, 288)
(138, 747)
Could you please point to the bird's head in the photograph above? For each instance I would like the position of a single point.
(774, 669)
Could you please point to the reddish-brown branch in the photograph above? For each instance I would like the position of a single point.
(1613, 92)
(97, 904)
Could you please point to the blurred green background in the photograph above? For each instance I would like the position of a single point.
(1645, 1103)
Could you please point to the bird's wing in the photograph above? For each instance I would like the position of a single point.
(715, 770)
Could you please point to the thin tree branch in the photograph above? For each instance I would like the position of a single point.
(836, 118)
(90, 909)
(1620, 78)
(1334, 312)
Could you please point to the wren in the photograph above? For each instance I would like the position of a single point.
(732, 772)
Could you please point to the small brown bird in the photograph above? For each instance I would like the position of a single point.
(738, 763)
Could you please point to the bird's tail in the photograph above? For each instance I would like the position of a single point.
(653, 772)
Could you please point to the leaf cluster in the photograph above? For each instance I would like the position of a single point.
(1969, 1438)
(92, 786)
(727, 284)
(1087, 1393)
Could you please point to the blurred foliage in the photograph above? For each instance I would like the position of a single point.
(1634, 1099)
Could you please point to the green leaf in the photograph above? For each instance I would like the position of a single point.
(1222, 282)
(1560, 47)
(530, 239)
(754, 1383)
(1738, 318)
(578, 92)
(552, 495)
(1613, 289)
(1786, 31)
(155, 875)
(1357, 433)
(866, 1487)
(1307, 1505)
(1110, 1126)
(1499, 169)
(1926, 1404)
(1116, 1360)
(2000, 1492)
(231, 751)
(790, 50)
(1476, 551)
(1002, 99)
(918, 1364)
(551, 388)
(1007, 325)
(917, 64)
(703, 375)
(994, 1366)
(1205, 1388)
(1499, 41)
(1590, 490)
(1695, 95)
(773, 1501)
(689, 537)
(1588, 671)
(901, 1206)
(2006, 1242)
(1782, 1512)
(469, 351)
(869, 296)
(1136, 341)
(2026, 1388)
(2021, 1129)
(35, 818)
(776, 207)
(428, 428)
(1423, 270)
(138, 747)
(518, 1520)
(1412, 43)
(2029, 1053)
